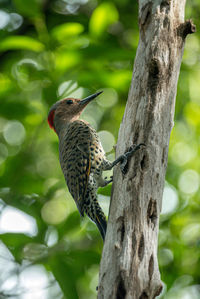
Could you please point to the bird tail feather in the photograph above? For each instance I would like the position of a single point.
(102, 225)
(98, 217)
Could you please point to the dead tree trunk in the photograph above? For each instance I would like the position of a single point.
(129, 266)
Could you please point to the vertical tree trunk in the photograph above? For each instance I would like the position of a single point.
(129, 266)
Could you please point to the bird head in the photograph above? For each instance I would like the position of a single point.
(67, 110)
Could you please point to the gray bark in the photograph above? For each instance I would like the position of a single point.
(129, 266)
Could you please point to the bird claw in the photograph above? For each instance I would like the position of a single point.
(133, 148)
(123, 164)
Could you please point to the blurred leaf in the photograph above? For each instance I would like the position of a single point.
(85, 258)
(192, 113)
(112, 53)
(21, 43)
(15, 243)
(5, 84)
(30, 8)
(72, 222)
(104, 15)
(66, 59)
(67, 30)
(105, 190)
(12, 109)
(119, 79)
(64, 274)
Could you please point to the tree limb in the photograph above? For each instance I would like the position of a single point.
(129, 266)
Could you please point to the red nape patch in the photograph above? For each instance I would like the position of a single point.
(51, 118)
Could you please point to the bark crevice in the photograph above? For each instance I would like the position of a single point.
(152, 213)
(121, 290)
(141, 247)
(151, 267)
(144, 295)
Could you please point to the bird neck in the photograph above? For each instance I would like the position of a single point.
(62, 126)
(63, 122)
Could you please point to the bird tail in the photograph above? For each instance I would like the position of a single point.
(101, 224)
(96, 215)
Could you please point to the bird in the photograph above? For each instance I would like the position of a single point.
(82, 157)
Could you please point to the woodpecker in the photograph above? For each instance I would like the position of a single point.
(82, 157)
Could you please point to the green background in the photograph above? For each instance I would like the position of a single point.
(50, 50)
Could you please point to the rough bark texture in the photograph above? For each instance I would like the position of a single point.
(129, 266)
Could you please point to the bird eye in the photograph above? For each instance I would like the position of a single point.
(69, 102)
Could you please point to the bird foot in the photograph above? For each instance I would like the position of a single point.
(129, 153)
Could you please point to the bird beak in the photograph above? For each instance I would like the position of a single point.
(90, 98)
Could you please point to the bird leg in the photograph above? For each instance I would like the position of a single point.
(123, 159)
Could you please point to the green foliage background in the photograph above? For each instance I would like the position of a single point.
(52, 49)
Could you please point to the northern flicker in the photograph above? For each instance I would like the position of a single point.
(82, 157)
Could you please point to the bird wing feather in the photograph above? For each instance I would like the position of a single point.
(78, 165)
